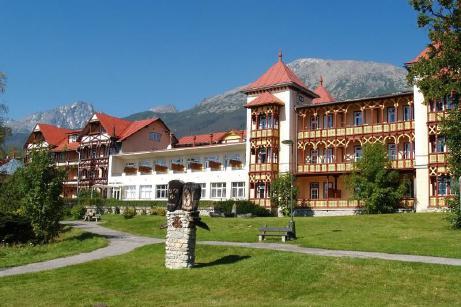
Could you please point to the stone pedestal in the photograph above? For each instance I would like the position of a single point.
(180, 239)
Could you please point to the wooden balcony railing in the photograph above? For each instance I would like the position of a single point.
(436, 116)
(325, 167)
(350, 131)
(436, 158)
(264, 167)
(401, 164)
(439, 201)
(407, 203)
(263, 133)
(263, 202)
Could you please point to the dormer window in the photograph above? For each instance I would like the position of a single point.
(72, 138)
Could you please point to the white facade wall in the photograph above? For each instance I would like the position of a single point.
(421, 151)
(118, 180)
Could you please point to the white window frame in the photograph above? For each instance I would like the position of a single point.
(203, 190)
(357, 153)
(145, 191)
(129, 192)
(161, 191)
(392, 151)
(314, 190)
(218, 190)
(238, 189)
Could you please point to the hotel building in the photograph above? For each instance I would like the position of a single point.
(290, 128)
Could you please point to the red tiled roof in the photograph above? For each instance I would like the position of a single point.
(52, 134)
(324, 95)
(422, 54)
(113, 124)
(66, 146)
(135, 127)
(278, 74)
(264, 99)
(216, 137)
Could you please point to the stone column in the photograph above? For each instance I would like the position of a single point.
(180, 240)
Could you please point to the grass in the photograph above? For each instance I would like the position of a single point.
(236, 277)
(406, 233)
(71, 241)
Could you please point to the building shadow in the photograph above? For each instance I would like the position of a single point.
(229, 259)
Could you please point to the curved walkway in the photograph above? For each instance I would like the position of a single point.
(121, 243)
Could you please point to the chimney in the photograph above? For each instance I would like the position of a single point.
(211, 138)
(193, 142)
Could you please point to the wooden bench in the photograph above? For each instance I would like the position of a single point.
(91, 216)
(283, 232)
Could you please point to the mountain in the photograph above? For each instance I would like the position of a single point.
(344, 79)
(72, 116)
(166, 108)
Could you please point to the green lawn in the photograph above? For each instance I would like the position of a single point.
(407, 233)
(70, 242)
(236, 277)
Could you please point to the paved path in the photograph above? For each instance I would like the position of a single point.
(121, 243)
(340, 253)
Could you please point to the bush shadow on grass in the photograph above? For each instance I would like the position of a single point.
(229, 259)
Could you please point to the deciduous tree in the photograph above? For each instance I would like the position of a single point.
(280, 192)
(374, 183)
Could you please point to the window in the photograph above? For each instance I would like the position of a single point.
(218, 190)
(262, 122)
(314, 122)
(93, 154)
(314, 156)
(329, 155)
(328, 121)
(238, 190)
(358, 121)
(72, 138)
(203, 191)
(440, 144)
(262, 155)
(129, 192)
(326, 187)
(357, 153)
(154, 136)
(261, 190)
(391, 152)
(407, 113)
(391, 115)
(407, 150)
(443, 185)
(161, 191)
(145, 192)
(315, 190)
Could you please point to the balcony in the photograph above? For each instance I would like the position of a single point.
(436, 116)
(264, 167)
(358, 130)
(327, 203)
(437, 158)
(403, 164)
(325, 167)
(439, 201)
(264, 133)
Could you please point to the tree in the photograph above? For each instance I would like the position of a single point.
(4, 131)
(280, 192)
(374, 183)
(40, 183)
(438, 75)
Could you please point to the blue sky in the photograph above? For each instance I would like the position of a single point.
(127, 56)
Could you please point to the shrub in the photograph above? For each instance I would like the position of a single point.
(158, 211)
(78, 212)
(15, 229)
(242, 206)
(129, 213)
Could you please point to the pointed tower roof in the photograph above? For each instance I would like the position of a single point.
(323, 93)
(278, 75)
(265, 98)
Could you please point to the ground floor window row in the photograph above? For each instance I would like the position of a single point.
(215, 190)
